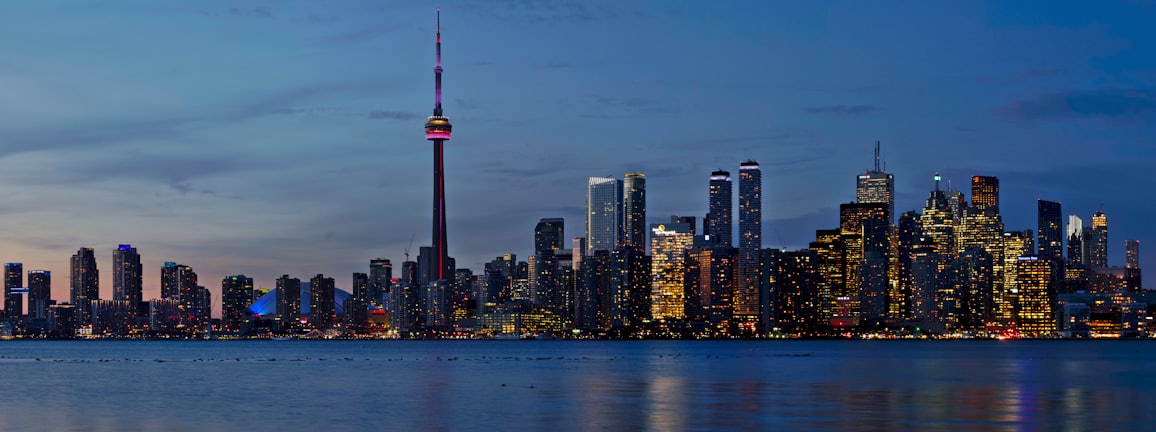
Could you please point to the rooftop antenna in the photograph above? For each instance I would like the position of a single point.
(876, 155)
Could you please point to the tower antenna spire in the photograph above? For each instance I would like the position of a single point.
(438, 129)
(876, 155)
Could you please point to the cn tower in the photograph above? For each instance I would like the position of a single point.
(437, 129)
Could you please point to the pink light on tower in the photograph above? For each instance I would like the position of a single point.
(437, 129)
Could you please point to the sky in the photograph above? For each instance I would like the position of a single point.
(270, 138)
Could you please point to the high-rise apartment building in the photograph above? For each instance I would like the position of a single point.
(235, 293)
(288, 300)
(719, 220)
(748, 298)
(13, 287)
(1098, 250)
(84, 284)
(1132, 254)
(668, 246)
(603, 213)
(380, 278)
(322, 305)
(1049, 230)
(39, 294)
(792, 280)
(634, 212)
(877, 186)
(127, 277)
(1016, 244)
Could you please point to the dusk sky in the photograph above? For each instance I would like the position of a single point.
(271, 138)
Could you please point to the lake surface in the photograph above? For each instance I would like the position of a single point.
(576, 385)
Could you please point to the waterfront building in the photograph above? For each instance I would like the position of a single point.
(792, 281)
(127, 283)
(545, 291)
(907, 234)
(380, 277)
(634, 212)
(713, 272)
(668, 246)
(748, 298)
(1035, 280)
(592, 298)
(1015, 245)
(322, 307)
(13, 290)
(852, 218)
(966, 303)
(84, 284)
(629, 287)
(357, 306)
(112, 317)
(236, 291)
(288, 301)
(39, 294)
(1049, 230)
(603, 213)
(830, 257)
(718, 224)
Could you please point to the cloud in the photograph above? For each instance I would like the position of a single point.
(843, 110)
(1068, 104)
(362, 34)
(556, 65)
(259, 12)
(390, 115)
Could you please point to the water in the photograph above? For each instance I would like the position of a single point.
(576, 385)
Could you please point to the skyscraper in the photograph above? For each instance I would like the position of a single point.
(719, 219)
(39, 293)
(1049, 231)
(937, 223)
(1075, 240)
(178, 282)
(668, 246)
(1132, 254)
(84, 284)
(288, 300)
(322, 305)
(1036, 283)
(634, 212)
(13, 285)
(984, 192)
(126, 276)
(380, 278)
(235, 293)
(548, 234)
(437, 129)
(603, 213)
(748, 298)
(1098, 250)
(877, 186)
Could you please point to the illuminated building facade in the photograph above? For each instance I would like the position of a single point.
(545, 289)
(714, 271)
(1015, 245)
(236, 292)
(1035, 281)
(603, 213)
(84, 284)
(629, 287)
(852, 218)
(668, 246)
(380, 277)
(831, 258)
(1098, 249)
(968, 283)
(877, 186)
(748, 298)
(718, 226)
(1075, 233)
(984, 192)
(634, 212)
(39, 294)
(127, 277)
(322, 307)
(906, 234)
(1049, 230)
(793, 281)
(288, 300)
(937, 223)
(13, 287)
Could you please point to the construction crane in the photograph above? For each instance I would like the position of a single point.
(410, 246)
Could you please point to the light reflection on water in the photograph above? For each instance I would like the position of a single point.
(561, 385)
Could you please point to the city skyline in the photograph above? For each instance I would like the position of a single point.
(169, 175)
